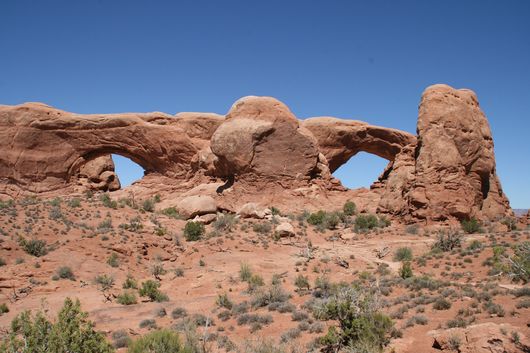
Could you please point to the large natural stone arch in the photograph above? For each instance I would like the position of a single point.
(43, 147)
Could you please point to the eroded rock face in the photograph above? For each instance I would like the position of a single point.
(446, 171)
(481, 338)
(450, 171)
(263, 138)
(98, 174)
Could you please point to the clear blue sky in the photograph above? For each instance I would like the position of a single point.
(367, 60)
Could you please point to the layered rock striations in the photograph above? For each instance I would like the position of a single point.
(446, 171)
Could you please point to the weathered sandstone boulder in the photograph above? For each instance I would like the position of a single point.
(98, 174)
(285, 229)
(480, 338)
(261, 137)
(199, 205)
(253, 210)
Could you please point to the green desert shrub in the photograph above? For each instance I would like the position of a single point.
(120, 339)
(365, 222)
(193, 231)
(325, 220)
(35, 247)
(126, 298)
(160, 341)
(105, 282)
(470, 226)
(255, 282)
(403, 254)
(225, 222)
(75, 202)
(349, 208)
(447, 241)
(441, 304)
(362, 327)
(71, 332)
(148, 205)
(223, 301)
(510, 223)
(406, 270)
(171, 212)
(519, 263)
(107, 201)
(262, 228)
(130, 282)
(113, 260)
(150, 289)
(245, 272)
(65, 272)
(302, 282)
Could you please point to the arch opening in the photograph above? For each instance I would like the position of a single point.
(361, 170)
(127, 170)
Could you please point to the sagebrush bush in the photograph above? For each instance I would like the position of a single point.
(193, 231)
(223, 301)
(441, 304)
(160, 341)
(150, 289)
(65, 272)
(349, 208)
(107, 201)
(262, 228)
(179, 313)
(130, 282)
(325, 220)
(447, 241)
(35, 247)
(148, 205)
(105, 282)
(225, 222)
(403, 254)
(121, 339)
(302, 282)
(519, 263)
(245, 272)
(406, 270)
(113, 260)
(126, 298)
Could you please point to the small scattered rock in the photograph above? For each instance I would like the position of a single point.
(253, 210)
(285, 229)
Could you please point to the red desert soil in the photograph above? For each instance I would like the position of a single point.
(83, 234)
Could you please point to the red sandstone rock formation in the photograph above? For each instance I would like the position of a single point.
(447, 171)
(262, 137)
(98, 174)
(450, 171)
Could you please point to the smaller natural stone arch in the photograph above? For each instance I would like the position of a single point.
(339, 139)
